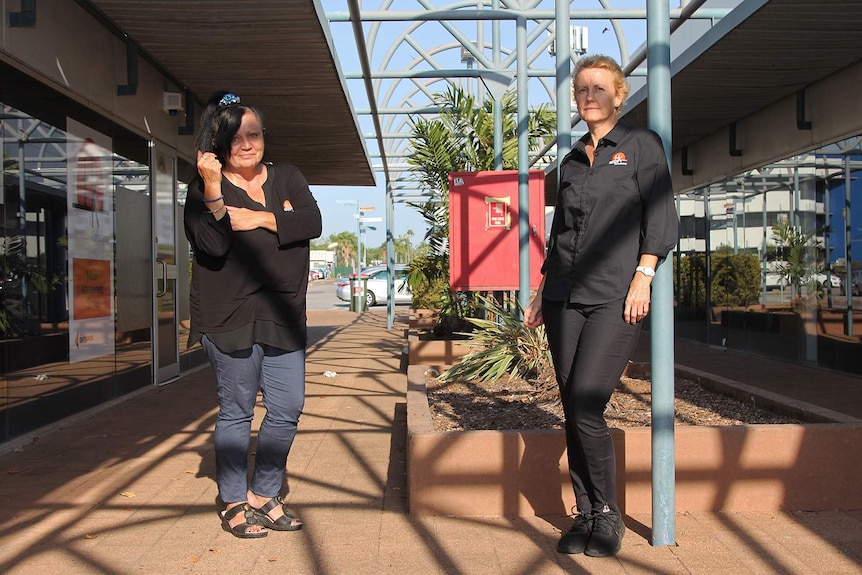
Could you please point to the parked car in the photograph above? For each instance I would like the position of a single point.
(834, 279)
(856, 279)
(776, 281)
(376, 290)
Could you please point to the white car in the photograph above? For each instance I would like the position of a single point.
(834, 279)
(376, 289)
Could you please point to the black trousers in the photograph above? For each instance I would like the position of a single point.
(590, 346)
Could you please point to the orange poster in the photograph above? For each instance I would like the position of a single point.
(92, 284)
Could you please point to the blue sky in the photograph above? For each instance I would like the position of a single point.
(391, 52)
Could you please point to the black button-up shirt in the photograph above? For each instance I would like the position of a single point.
(607, 215)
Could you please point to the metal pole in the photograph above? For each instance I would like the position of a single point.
(564, 84)
(827, 209)
(358, 302)
(764, 255)
(678, 251)
(659, 110)
(707, 275)
(480, 44)
(22, 224)
(457, 15)
(848, 241)
(390, 255)
(735, 240)
(498, 104)
(796, 221)
(358, 241)
(523, 167)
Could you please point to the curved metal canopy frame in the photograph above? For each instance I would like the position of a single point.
(407, 49)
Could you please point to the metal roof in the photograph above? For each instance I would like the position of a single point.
(760, 53)
(276, 55)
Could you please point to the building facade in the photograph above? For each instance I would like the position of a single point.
(95, 265)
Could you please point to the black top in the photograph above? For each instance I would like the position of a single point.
(607, 215)
(250, 287)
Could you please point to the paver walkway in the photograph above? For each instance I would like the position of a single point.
(132, 490)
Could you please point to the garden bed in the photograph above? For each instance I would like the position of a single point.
(522, 472)
(514, 403)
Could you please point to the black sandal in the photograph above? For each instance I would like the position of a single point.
(283, 523)
(241, 530)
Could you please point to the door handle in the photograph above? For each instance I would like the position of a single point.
(164, 289)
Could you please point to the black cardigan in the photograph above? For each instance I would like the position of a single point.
(250, 287)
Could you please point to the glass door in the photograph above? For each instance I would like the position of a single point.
(165, 347)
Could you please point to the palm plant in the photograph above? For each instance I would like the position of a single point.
(800, 254)
(460, 139)
(503, 345)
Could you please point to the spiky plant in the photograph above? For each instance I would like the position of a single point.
(504, 346)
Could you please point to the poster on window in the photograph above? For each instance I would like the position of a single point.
(90, 227)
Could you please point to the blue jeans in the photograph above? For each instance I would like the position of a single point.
(280, 377)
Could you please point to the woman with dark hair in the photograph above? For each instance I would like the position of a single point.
(249, 224)
(614, 223)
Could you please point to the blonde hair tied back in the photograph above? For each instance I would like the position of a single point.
(607, 63)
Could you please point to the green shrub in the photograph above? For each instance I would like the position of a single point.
(736, 280)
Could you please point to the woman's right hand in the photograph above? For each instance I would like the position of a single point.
(533, 314)
(209, 168)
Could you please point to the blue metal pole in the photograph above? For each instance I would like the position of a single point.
(523, 167)
(498, 104)
(390, 256)
(564, 84)
(848, 239)
(659, 110)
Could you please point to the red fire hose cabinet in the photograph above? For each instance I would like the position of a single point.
(483, 230)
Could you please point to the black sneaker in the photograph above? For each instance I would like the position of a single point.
(607, 534)
(575, 539)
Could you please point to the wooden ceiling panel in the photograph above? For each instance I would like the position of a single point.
(275, 55)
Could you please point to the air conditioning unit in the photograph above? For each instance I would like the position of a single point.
(173, 102)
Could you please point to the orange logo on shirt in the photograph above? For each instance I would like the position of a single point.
(619, 159)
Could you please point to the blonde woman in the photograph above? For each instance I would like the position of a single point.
(614, 223)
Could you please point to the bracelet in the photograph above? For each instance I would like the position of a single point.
(206, 201)
(214, 212)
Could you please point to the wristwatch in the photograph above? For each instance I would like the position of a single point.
(646, 270)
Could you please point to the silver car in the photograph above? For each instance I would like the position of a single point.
(376, 290)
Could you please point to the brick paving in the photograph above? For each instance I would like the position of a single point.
(131, 490)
